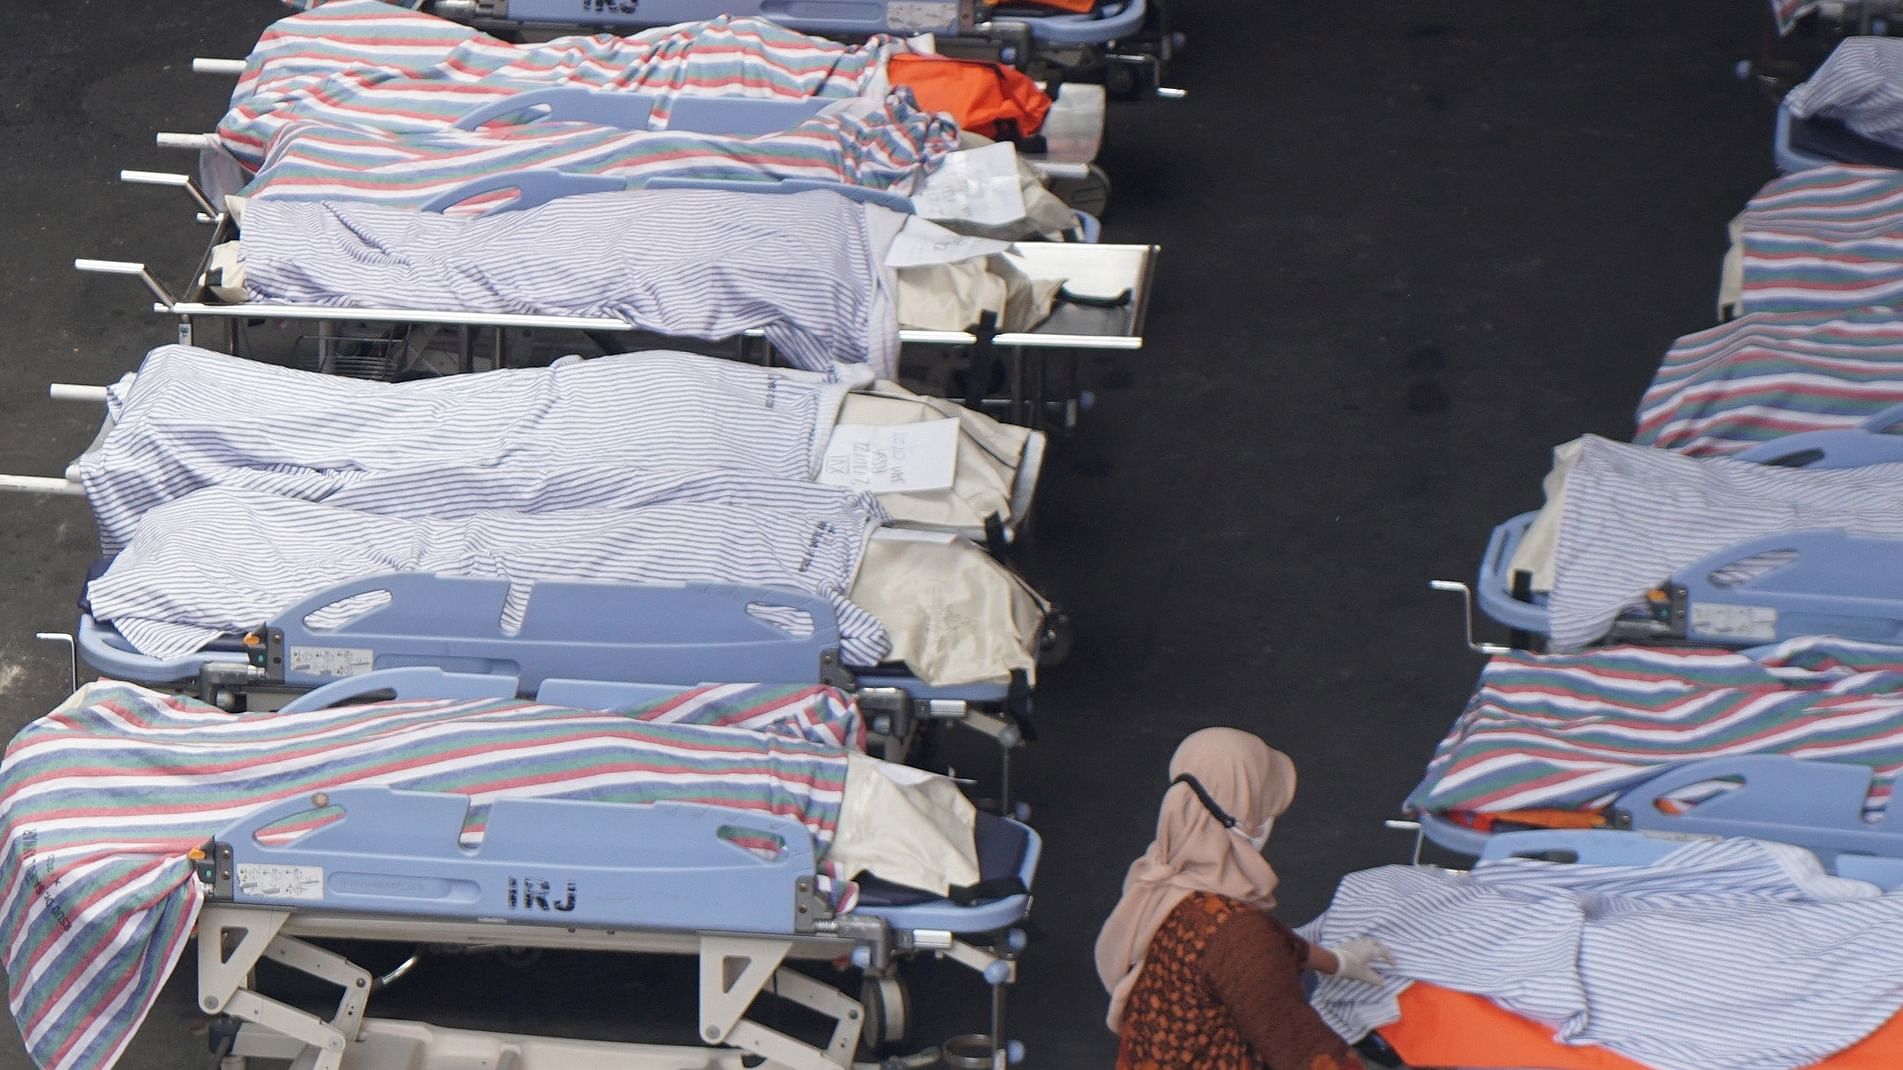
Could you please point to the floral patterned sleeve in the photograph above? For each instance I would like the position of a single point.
(1254, 965)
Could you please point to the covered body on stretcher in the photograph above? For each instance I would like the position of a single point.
(645, 518)
(1799, 743)
(718, 821)
(1609, 950)
(1796, 536)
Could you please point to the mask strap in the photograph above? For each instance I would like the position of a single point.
(1208, 801)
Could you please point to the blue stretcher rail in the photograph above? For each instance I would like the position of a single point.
(1814, 804)
(1615, 847)
(1826, 582)
(1801, 144)
(648, 633)
(667, 866)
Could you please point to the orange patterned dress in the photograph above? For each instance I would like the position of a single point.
(1221, 989)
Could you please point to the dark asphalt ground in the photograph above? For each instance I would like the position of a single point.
(1408, 247)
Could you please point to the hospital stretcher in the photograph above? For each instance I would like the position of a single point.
(1444, 1027)
(1125, 42)
(1814, 804)
(581, 875)
(1826, 582)
(1107, 285)
(580, 644)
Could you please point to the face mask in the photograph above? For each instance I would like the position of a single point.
(1260, 839)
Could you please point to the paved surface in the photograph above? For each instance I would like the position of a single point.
(1408, 248)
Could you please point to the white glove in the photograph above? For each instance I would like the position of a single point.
(1355, 959)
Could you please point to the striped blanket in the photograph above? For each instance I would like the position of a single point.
(101, 799)
(1740, 954)
(355, 99)
(806, 269)
(1764, 375)
(193, 418)
(1860, 85)
(375, 66)
(1824, 238)
(1631, 517)
(882, 145)
(1566, 731)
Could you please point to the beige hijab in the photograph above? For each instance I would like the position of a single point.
(1193, 852)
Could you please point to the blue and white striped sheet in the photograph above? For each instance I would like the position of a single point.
(1860, 85)
(1739, 954)
(808, 268)
(520, 439)
(222, 560)
(1632, 516)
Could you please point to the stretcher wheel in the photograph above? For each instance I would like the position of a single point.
(1054, 638)
(1090, 193)
(888, 1006)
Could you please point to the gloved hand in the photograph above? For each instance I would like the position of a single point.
(1356, 958)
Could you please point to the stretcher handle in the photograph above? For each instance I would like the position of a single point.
(76, 392)
(621, 111)
(127, 267)
(862, 194)
(41, 485)
(194, 142)
(167, 178)
(204, 65)
(534, 188)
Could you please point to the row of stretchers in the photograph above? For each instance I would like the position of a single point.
(1706, 640)
(587, 654)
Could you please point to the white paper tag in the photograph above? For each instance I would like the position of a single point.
(892, 457)
(922, 242)
(978, 185)
(270, 880)
(331, 660)
(1755, 623)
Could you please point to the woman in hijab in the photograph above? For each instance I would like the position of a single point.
(1200, 974)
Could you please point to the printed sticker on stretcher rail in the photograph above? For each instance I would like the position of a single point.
(331, 660)
(1756, 623)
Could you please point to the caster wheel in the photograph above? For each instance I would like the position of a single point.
(1122, 81)
(1054, 638)
(888, 1005)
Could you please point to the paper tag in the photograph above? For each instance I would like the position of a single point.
(270, 880)
(332, 660)
(922, 242)
(914, 16)
(892, 457)
(976, 185)
(1755, 623)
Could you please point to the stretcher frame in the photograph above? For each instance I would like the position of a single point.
(1833, 583)
(1810, 803)
(1115, 279)
(392, 870)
